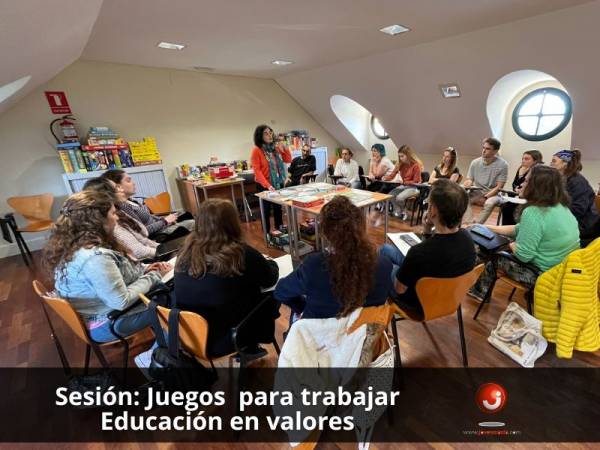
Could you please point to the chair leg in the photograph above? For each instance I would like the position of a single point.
(398, 375)
(511, 294)
(486, 299)
(88, 350)
(461, 329)
(19, 240)
(529, 298)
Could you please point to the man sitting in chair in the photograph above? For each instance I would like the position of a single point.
(302, 167)
(449, 253)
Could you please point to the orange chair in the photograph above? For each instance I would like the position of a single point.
(159, 204)
(36, 210)
(440, 297)
(193, 334)
(73, 320)
(597, 200)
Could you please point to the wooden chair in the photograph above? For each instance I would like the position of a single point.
(439, 297)
(36, 211)
(159, 204)
(73, 320)
(193, 334)
(597, 201)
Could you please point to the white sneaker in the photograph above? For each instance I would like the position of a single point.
(143, 359)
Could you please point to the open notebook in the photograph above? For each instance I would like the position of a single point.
(284, 262)
(401, 244)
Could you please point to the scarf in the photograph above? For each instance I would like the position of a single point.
(276, 167)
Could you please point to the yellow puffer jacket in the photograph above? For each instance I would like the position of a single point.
(566, 301)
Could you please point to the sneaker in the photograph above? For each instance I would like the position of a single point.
(143, 359)
(478, 298)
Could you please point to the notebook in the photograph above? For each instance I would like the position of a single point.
(285, 268)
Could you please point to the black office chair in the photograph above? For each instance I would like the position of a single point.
(361, 176)
(420, 201)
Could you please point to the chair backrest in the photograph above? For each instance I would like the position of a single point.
(159, 204)
(597, 201)
(330, 169)
(33, 207)
(361, 172)
(424, 177)
(64, 310)
(441, 296)
(193, 329)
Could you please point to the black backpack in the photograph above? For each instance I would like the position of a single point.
(173, 368)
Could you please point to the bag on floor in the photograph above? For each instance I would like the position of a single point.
(519, 336)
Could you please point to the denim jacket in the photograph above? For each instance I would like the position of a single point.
(98, 280)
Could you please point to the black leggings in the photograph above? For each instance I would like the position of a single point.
(268, 206)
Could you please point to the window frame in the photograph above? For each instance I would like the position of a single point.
(379, 136)
(561, 126)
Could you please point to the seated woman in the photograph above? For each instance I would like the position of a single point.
(91, 272)
(379, 167)
(220, 277)
(529, 159)
(159, 228)
(545, 235)
(348, 275)
(447, 167)
(408, 172)
(568, 163)
(131, 234)
(347, 168)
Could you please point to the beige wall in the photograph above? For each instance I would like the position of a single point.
(192, 115)
(401, 86)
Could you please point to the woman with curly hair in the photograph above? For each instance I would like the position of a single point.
(91, 272)
(348, 275)
(220, 277)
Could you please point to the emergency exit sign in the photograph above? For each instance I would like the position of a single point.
(58, 102)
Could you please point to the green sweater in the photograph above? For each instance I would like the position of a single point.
(546, 235)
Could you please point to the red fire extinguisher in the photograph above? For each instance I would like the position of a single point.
(67, 130)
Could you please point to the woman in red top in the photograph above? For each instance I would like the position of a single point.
(408, 172)
(269, 171)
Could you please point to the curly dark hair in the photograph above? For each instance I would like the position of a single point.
(352, 259)
(80, 224)
(258, 135)
(104, 185)
(216, 245)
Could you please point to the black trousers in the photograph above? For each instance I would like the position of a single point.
(268, 206)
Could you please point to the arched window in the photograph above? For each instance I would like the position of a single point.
(542, 114)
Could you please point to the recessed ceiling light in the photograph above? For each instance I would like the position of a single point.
(171, 46)
(393, 30)
(204, 69)
(282, 62)
(450, 90)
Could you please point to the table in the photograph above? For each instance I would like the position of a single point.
(201, 188)
(362, 199)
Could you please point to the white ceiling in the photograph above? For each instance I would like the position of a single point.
(241, 37)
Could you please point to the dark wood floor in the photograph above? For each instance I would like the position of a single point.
(25, 340)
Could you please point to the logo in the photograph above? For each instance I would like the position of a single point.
(491, 398)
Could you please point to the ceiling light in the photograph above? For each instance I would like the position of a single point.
(450, 90)
(171, 46)
(282, 62)
(393, 30)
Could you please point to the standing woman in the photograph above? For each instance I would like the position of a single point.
(269, 171)
(408, 172)
(379, 167)
(447, 167)
(568, 163)
(530, 158)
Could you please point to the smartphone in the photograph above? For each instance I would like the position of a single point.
(408, 239)
(483, 232)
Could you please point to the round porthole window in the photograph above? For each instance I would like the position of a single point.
(542, 114)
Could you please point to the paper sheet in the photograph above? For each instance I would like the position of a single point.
(171, 273)
(285, 268)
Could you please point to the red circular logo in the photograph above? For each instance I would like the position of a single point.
(491, 398)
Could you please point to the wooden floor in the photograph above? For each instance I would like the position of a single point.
(25, 340)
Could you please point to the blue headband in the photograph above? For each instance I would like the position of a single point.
(565, 155)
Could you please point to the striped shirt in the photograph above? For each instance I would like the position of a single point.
(152, 223)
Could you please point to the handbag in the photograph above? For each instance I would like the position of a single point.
(171, 366)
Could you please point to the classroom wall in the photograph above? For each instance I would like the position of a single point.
(401, 87)
(192, 115)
